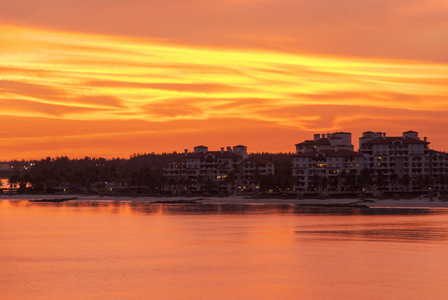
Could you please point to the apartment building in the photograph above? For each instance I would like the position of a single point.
(326, 163)
(386, 164)
(438, 170)
(399, 163)
(227, 170)
(251, 169)
(329, 141)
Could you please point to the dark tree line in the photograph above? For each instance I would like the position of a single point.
(146, 170)
(139, 170)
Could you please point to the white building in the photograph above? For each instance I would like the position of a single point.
(329, 141)
(326, 170)
(439, 170)
(398, 163)
(251, 169)
(204, 170)
(385, 164)
(326, 163)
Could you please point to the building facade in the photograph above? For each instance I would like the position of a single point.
(227, 170)
(397, 163)
(326, 163)
(382, 164)
(251, 170)
(439, 170)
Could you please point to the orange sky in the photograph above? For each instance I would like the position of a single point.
(112, 78)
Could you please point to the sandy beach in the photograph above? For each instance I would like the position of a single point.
(237, 199)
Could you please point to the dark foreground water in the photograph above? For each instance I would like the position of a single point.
(97, 250)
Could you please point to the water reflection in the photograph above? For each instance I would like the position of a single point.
(381, 224)
(385, 234)
(205, 208)
(141, 250)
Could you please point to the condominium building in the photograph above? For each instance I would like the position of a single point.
(385, 164)
(439, 170)
(397, 162)
(226, 170)
(326, 163)
(251, 170)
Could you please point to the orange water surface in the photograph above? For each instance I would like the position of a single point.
(132, 250)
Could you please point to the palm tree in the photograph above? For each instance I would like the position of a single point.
(13, 181)
(333, 182)
(380, 180)
(405, 181)
(365, 179)
(393, 179)
(231, 180)
(323, 183)
(351, 181)
(314, 182)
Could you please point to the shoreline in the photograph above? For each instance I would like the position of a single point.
(388, 203)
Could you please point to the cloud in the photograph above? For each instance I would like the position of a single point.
(32, 90)
(175, 108)
(179, 87)
(400, 29)
(61, 97)
(103, 101)
(390, 100)
(31, 108)
(161, 95)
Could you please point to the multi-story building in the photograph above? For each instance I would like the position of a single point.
(439, 170)
(397, 163)
(224, 170)
(326, 170)
(251, 169)
(387, 164)
(327, 163)
(329, 141)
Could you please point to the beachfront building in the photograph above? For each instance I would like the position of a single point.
(251, 171)
(329, 141)
(397, 163)
(326, 163)
(212, 171)
(383, 164)
(326, 170)
(439, 170)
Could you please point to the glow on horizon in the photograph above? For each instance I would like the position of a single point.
(83, 94)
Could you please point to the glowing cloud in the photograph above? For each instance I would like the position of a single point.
(165, 91)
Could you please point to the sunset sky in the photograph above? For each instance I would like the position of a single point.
(112, 78)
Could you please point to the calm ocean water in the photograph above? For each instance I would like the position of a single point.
(113, 250)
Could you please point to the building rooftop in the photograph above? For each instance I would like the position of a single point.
(319, 142)
(331, 153)
(391, 139)
(217, 154)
